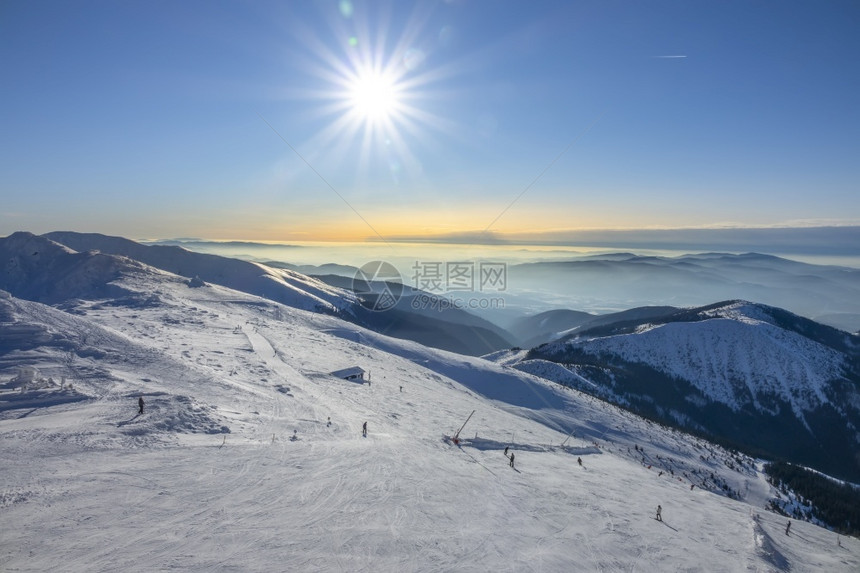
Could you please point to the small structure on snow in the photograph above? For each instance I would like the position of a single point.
(351, 373)
(26, 375)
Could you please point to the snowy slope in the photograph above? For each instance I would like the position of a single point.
(453, 329)
(43, 270)
(734, 361)
(282, 285)
(210, 479)
(745, 373)
(735, 353)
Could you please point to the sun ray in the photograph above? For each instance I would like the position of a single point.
(374, 97)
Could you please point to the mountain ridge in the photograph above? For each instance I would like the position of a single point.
(725, 369)
(281, 285)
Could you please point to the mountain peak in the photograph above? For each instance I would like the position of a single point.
(26, 243)
(731, 365)
(740, 310)
(38, 268)
(281, 285)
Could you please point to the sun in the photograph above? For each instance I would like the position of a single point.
(373, 93)
(374, 96)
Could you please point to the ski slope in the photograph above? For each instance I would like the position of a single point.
(234, 465)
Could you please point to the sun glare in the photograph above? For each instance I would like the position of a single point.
(374, 97)
(372, 92)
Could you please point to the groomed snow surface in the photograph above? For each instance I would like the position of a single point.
(234, 466)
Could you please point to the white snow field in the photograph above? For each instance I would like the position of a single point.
(87, 484)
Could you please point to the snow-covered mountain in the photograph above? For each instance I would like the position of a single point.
(746, 373)
(39, 269)
(552, 325)
(249, 454)
(423, 317)
(281, 285)
(544, 326)
(453, 329)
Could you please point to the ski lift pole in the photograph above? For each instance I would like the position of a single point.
(456, 437)
(568, 437)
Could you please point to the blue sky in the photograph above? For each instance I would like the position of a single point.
(253, 120)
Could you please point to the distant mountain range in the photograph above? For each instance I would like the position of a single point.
(824, 293)
(619, 281)
(742, 373)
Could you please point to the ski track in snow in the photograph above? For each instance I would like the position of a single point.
(90, 486)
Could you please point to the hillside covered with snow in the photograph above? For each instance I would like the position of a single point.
(743, 372)
(250, 455)
(46, 268)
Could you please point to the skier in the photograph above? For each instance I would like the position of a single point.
(579, 461)
(506, 450)
(364, 429)
(787, 527)
(659, 513)
(329, 422)
(512, 459)
(401, 388)
(140, 404)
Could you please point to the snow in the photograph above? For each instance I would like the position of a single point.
(210, 479)
(741, 311)
(41, 263)
(556, 372)
(733, 359)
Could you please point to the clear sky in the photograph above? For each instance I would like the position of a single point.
(343, 120)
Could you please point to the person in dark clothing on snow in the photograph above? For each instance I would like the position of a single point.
(787, 527)
(512, 459)
(506, 450)
(659, 513)
(140, 405)
(364, 429)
